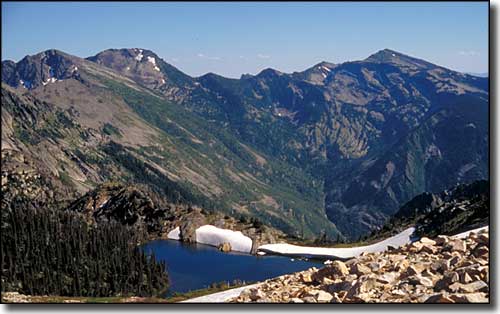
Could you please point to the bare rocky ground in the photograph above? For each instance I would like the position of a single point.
(442, 270)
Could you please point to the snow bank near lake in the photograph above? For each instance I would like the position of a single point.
(220, 297)
(174, 234)
(319, 252)
(466, 233)
(212, 235)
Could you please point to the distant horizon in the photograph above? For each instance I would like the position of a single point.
(233, 39)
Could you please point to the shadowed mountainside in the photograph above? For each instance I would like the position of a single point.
(335, 148)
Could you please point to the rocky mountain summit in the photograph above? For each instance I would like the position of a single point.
(442, 270)
(40, 69)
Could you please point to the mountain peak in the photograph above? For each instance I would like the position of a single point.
(385, 55)
(398, 59)
(326, 64)
(126, 54)
(269, 72)
(141, 65)
(40, 69)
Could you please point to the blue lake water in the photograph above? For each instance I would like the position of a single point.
(196, 266)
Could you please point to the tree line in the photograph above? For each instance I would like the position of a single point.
(53, 252)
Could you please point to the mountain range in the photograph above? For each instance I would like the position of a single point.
(334, 149)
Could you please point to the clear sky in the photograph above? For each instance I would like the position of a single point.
(235, 38)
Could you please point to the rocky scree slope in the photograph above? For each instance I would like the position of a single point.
(442, 270)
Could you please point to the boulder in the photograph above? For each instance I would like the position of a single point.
(360, 269)
(483, 238)
(340, 286)
(446, 281)
(478, 297)
(306, 277)
(413, 269)
(225, 247)
(439, 298)
(476, 286)
(388, 278)
(402, 265)
(456, 245)
(428, 241)
(481, 251)
(337, 268)
(428, 248)
(420, 280)
(189, 224)
(309, 300)
(323, 297)
(465, 278)
(256, 294)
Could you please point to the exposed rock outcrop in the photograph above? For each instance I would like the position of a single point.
(225, 247)
(140, 206)
(443, 270)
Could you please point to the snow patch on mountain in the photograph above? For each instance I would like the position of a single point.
(25, 84)
(153, 61)
(49, 80)
(325, 68)
(139, 56)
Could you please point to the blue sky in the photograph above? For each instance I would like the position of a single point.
(235, 38)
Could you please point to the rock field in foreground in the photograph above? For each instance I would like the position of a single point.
(442, 270)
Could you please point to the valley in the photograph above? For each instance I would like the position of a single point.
(269, 170)
(335, 149)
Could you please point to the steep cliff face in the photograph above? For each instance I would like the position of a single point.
(450, 147)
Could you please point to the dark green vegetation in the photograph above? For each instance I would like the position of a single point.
(333, 150)
(177, 297)
(149, 211)
(462, 208)
(57, 253)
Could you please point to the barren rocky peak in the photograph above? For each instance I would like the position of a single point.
(442, 270)
(141, 65)
(396, 58)
(40, 69)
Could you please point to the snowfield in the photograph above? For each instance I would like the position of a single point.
(343, 253)
(466, 233)
(174, 234)
(153, 61)
(139, 55)
(212, 235)
(219, 297)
